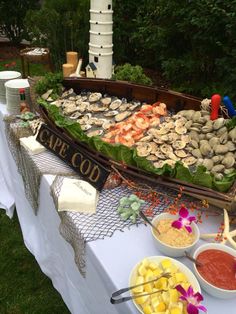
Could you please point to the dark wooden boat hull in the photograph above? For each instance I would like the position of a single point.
(175, 101)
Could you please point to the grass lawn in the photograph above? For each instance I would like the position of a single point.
(24, 289)
(36, 69)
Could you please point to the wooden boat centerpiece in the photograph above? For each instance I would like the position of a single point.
(155, 134)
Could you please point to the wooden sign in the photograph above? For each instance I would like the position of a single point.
(89, 169)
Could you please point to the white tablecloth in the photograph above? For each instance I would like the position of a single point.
(108, 261)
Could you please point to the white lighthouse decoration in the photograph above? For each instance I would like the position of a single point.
(100, 45)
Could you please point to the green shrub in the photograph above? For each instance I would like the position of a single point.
(130, 73)
(60, 25)
(12, 18)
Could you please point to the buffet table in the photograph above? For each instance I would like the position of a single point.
(108, 262)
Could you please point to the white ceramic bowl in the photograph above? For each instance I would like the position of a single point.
(209, 288)
(157, 259)
(171, 250)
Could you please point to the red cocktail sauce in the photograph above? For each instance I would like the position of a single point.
(218, 268)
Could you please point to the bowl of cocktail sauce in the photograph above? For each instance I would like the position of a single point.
(217, 270)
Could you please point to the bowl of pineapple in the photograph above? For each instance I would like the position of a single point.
(166, 299)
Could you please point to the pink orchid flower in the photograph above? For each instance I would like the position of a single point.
(193, 299)
(184, 220)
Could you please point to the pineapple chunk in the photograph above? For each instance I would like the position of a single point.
(161, 307)
(139, 280)
(155, 302)
(161, 283)
(175, 310)
(148, 288)
(157, 272)
(165, 297)
(146, 263)
(142, 270)
(153, 266)
(174, 295)
(147, 309)
(142, 299)
(172, 282)
(180, 277)
(149, 275)
(166, 263)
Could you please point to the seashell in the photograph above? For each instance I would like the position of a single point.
(206, 129)
(188, 124)
(228, 162)
(75, 115)
(194, 136)
(209, 136)
(170, 125)
(99, 122)
(194, 129)
(170, 162)
(232, 135)
(197, 115)
(196, 125)
(202, 137)
(97, 108)
(164, 138)
(185, 138)
(123, 115)
(228, 154)
(180, 122)
(152, 158)
(159, 164)
(181, 153)
(124, 107)
(134, 105)
(202, 120)
(146, 138)
(217, 168)
(160, 155)
(154, 147)
(194, 144)
(158, 140)
(165, 149)
(180, 130)
(115, 104)
(199, 161)
(172, 137)
(206, 150)
(229, 170)
(221, 149)
(203, 142)
(95, 133)
(222, 131)
(107, 124)
(196, 153)
(189, 161)
(111, 113)
(106, 101)
(224, 138)
(179, 144)
(218, 123)
(69, 108)
(181, 113)
(92, 121)
(95, 97)
(218, 176)
(231, 146)
(189, 149)
(163, 131)
(155, 123)
(214, 141)
(172, 156)
(86, 127)
(216, 160)
(67, 93)
(189, 114)
(144, 149)
(208, 163)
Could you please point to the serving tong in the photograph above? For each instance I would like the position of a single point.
(117, 293)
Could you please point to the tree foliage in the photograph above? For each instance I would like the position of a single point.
(133, 74)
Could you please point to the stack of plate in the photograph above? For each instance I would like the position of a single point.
(4, 77)
(13, 94)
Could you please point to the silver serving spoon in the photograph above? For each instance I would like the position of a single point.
(197, 263)
(144, 217)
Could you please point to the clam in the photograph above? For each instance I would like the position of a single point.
(185, 138)
(99, 122)
(160, 155)
(188, 124)
(206, 150)
(206, 129)
(123, 115)
(115, 104)
(196, 125)
(95, 133)
(152, 158)
(194, 144)
(166, 149)
(222, 131)
(106, 101)
(224, 138)
(195, 129)
(111, 113)
(97, 108)
(197, 115)
(203, 142)
(196, 153)
(221, 149)
(232, 135)
(189, 161)
(180, 130)
(217, 168)
(67, 93)
(84, 119)
(107, 124)
(218, 123)
(180, 122)
(70, 108)
(124, 107)
(231, 146)
(194, 135)
(163, 130)
(146, 138)
(181, 153)
(154, 147)
(218, 176)
(208, 163)
(216, 159)
(95, 97)
(209, 136)
(179, 144)
(75, 115)
(159, 164)
(172, 137)
(134, 105)
(229, 170)
(144, 149)
(172, 156)
(214, 141)
(202, 136)
(228, 162)
(86, 127)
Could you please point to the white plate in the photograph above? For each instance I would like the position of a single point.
(157, 259)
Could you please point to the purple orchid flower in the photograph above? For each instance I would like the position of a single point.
(184, 220)
(193, 299)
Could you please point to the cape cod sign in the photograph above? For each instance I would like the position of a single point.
(89, 169)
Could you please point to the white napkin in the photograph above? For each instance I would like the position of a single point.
(32, 145)
(77, 195)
